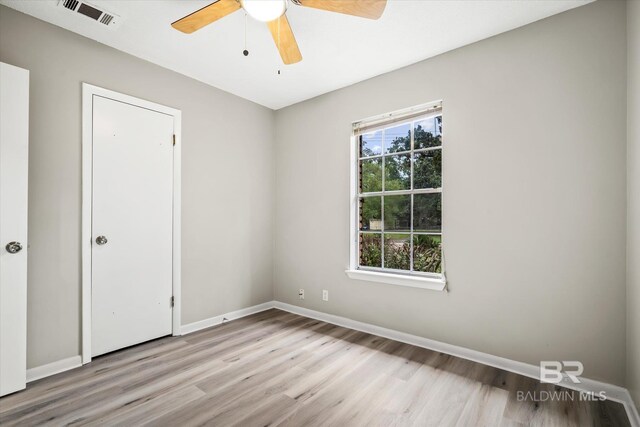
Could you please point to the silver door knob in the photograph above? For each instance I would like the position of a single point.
(13, 247)
(101, 240)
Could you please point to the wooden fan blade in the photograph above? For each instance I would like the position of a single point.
(285, 41)
(206, 15)
(371, 9)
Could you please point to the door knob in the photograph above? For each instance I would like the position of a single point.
(101, 240)
(13, 247)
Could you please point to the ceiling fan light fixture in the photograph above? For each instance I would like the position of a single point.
(264, 10)
(272, 12)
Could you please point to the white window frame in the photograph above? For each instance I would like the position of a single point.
(433, 281)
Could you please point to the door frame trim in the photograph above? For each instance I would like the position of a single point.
(88, 92)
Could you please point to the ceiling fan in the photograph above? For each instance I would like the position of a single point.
(273, 12)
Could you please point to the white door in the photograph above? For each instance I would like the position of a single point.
(14, 158)
(131, 225)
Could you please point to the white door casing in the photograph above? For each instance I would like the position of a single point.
(131, 197)
(14, 159)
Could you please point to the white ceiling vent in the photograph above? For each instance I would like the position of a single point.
(90, 11)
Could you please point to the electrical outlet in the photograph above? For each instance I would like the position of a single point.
(325, 295)
(301, 293)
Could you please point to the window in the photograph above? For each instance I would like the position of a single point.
(397, 212)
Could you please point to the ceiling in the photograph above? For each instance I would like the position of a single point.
(338, 50)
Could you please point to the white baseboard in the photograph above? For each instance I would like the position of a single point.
(213, 321)
(613, 392)
(632, 409)
(53, 368)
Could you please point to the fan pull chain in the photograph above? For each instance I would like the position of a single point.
(245, 52)
(279, 39)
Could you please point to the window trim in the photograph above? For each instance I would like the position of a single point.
(423, 280)
(411, 280)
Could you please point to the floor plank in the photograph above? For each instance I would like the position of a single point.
(279, 369)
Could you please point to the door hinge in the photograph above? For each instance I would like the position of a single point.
(173, 301)
(174, 140)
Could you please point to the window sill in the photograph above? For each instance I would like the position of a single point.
(398, 279)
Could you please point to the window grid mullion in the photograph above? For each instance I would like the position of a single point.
(382, 231)
(412, 148)
(398, 153)
(401, 192)
(411, 192)
(382, 201)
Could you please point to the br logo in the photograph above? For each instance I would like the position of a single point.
(552, 371)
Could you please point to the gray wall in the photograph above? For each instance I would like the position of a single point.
(633, 204)
(534, 208)
(534, 202)
(227, 181)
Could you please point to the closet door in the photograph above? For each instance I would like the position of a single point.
(132, 225)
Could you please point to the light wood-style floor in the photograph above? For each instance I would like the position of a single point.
(277, 368)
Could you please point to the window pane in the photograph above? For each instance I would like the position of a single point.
(428, 133)
(426, 212)
(371, 213)
(397, 213)
(427, 169)
(371, 175)
(427, 254)
(371, 144)
(397, 172)
(370, 250)
(397, 251)
(397, 139)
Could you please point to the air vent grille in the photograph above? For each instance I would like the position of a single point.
(106, 19)
(90, 11)
(71, 4)
(99, 15)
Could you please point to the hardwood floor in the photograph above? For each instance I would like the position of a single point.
(277, 368)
